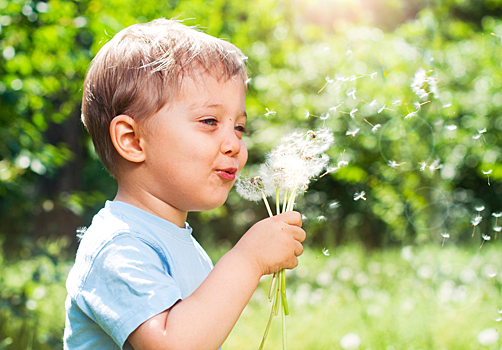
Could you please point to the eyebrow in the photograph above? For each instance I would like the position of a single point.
(214, 106)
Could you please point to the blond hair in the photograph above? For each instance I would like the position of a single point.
(142, 68)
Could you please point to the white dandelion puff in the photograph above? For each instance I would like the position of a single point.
(359, 195)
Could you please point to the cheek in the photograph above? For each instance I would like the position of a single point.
(243, 156)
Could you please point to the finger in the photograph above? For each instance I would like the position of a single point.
(291, 218)
(298, 249)
(299, 234)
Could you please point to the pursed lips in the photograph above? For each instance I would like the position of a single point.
(227, 173)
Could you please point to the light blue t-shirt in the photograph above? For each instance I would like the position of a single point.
(130, 266)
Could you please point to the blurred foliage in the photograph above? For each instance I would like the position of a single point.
(51, 180)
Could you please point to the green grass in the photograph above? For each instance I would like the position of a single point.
(409, 298)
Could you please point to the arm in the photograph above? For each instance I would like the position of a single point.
(205, 318)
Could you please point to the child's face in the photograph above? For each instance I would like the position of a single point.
(194, 147)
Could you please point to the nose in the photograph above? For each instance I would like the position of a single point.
(231, 144)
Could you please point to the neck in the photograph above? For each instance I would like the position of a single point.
(144, 200)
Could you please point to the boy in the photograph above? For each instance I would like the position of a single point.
(165, 107)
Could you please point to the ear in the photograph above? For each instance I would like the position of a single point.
(126, 138)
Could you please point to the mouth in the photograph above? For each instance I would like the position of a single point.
(227, 174)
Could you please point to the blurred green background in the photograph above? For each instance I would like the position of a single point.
(320, 56)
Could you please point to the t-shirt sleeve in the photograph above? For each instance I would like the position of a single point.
(128, 283)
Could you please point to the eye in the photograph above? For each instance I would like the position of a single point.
(241, 128)
(210, 121)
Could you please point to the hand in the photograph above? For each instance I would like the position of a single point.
(274, 243)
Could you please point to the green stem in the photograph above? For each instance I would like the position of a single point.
(283, 292)
(285, 201)
(284, 337)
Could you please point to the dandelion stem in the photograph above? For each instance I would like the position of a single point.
(266, 204)
(272, 285)
(284, 335)
(285, 201)
(277, 203)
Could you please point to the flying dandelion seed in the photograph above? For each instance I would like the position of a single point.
(269, 113)
(335, 108)
(374, 128)
(497, 229)
(372, 75)
(396, 103)
(373, 104)
(446, 105)
(487, 173)
(423, 165)
(485, 238)
(451, 127)
(359, 195)
(352, 132)
(352, 112)
(334, 205)
(349, 52)
(481, 132)
(445, 235)
(306, 114)
(351, 92)
(423, 85)
(475, 222)
(496, 216)
(435, 166)
(325, 252)
(381, 109)
(411, 115)
(321, 218)
(499, 311)
(394, 164)
(479, 208)
(498, 319)
(418, 105)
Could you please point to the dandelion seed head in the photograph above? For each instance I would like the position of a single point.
(249, 188)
